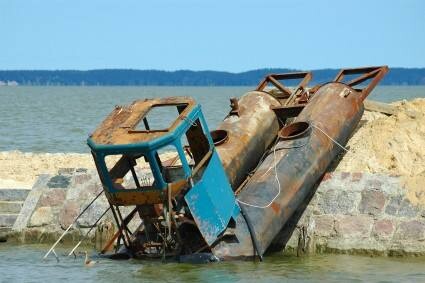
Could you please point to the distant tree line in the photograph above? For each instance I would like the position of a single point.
(122, 77)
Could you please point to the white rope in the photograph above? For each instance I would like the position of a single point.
(276, 178)
(337, 143)
(275, 170)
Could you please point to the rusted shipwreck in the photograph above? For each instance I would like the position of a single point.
(229, 193)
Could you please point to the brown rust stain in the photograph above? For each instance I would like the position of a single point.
(276, 208)
(119, 126)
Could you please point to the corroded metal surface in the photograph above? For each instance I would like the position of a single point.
(120, 127)
(250, 133)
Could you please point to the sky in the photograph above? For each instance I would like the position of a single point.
(232, 35)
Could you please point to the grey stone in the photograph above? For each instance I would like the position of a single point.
(410, 230)
(59, 181)
(337, 202)
(324, 225)
(393, 205)
(372, 202)
(42, 216)
(383, 229)
(13, 194)
(407, 209)
(79, 179)
(353, 226)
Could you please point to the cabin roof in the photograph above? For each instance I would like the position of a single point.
(122, 126)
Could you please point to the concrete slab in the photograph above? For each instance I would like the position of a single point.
(13, 194)
(10, 207)
(7, 220)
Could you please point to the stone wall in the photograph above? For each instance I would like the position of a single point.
(350, 213)
(53, 204)
(360, 213)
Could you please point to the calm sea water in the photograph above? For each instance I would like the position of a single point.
(59, 119)
(24, 264)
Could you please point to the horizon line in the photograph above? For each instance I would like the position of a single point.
(192, 70)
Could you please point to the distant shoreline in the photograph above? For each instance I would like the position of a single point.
(127, 77)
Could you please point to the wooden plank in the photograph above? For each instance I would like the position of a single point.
(375, 106)
(385, 108)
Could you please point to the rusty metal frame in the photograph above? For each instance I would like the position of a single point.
(366, 73)
(158, 105)
(276, 80)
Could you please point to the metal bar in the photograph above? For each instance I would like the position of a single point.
(280, 86)
(119, 232)
(126, 230)
(69, 227)
(114, 213)
(263, 84)
(201, 163)
(378, 77)
(352, 71)
(363, 78)
(85, 236)
(145, 122)
(133, 173)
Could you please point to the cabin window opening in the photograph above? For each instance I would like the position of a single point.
(129, 171)
(187, 153)
(197, 146)
(160, 118)
(171, 164)
(197, 141)
(352, 81)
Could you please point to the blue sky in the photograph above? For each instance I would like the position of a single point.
(210, 35)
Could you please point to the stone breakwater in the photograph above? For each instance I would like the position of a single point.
(365, 213)
(55, 201)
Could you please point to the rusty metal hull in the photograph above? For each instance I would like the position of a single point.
(290, 172)
(250, 134)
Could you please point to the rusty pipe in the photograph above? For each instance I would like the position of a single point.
(289, 173)
(250, 134)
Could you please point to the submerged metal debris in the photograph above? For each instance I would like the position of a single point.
(229, 193)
